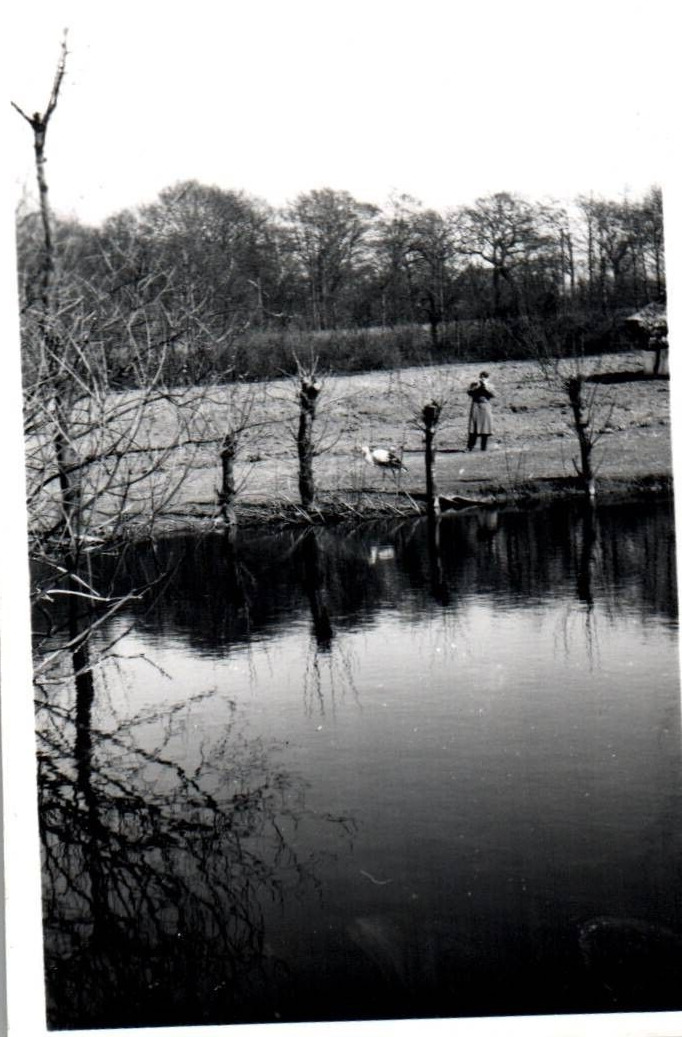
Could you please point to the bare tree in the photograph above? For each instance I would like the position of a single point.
(430, 416)
(430, 257)
(327, 229)
(99, 459)
(436, 386)
(309, 388)
(50, 376)
(583, 423)
(102, 461)
(240, 403)
(503, 231)
(589, 410)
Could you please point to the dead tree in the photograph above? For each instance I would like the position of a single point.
(39, 123)
(438, 387)
(96, 461)
(47, 320)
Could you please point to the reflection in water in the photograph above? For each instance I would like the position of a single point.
(235, 575)
(221, 598)
(588, 552)
(313, 582)
(439, 587)
(484, 825)
(156, 875)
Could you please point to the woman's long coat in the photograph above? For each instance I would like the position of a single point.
(481, 415)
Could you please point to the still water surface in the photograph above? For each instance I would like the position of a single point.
(361, 774)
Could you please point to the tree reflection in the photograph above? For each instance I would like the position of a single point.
(588, 553)
(224, 592)
(155, 872)
(439, 587)
(321, 573)
(237, 576)
(314, 586)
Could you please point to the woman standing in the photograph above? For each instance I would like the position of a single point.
(480, 414)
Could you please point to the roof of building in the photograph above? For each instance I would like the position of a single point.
(652, 324)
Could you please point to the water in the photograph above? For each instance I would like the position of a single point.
(365, 774)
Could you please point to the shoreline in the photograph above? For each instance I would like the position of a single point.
(366, 505)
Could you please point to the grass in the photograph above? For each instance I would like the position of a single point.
(530, 455)
(533, 438)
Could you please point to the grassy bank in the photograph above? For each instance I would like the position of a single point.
(530, 456)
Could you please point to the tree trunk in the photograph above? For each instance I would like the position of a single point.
(590, 260)
(496, 291)
(227, 492)
(430, 418)
(571, 267)
(307, 399)
(434, 317)
(574, 388)
(657, 361)
(69, 479)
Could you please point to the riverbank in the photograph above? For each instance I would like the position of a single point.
(173, 474)
(530, 456)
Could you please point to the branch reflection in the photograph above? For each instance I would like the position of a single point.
(155, 872)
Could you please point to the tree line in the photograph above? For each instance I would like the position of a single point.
(226, 284)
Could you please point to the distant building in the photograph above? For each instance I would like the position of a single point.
(648, 329)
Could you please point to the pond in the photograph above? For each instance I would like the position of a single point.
(373, 773)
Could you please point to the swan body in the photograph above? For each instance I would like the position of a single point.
(383, 458)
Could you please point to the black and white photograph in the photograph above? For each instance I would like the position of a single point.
(340, 657)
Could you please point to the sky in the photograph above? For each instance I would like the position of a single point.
(445, 100)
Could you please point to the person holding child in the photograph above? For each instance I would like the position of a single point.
(480, 413)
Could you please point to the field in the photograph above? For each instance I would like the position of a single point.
(530, 454)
